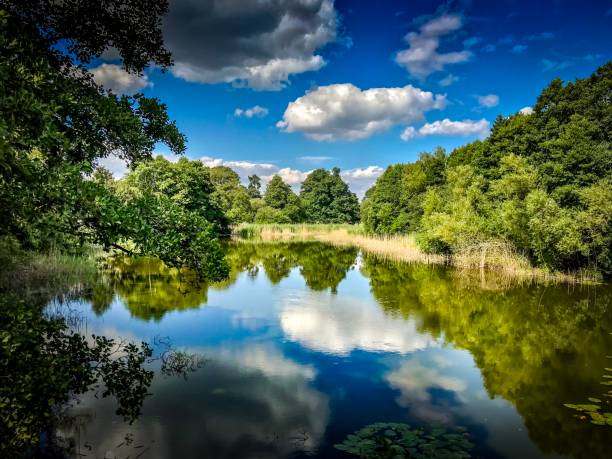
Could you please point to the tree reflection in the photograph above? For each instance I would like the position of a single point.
(150, 289)
(536, 346)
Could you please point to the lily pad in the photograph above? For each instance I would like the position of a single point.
(397, 440)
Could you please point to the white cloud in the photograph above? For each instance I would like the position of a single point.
(448, 127)
(114, 78)
(490, 100)
(448, 80)
(344, 111)
(526, 110)
(290, 176)
(253, 43)
(409, 133)
(422, 57)
(361, 179)
(242, 168)
(119, 167)
(255, 111)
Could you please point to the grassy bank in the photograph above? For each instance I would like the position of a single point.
(35, 275)
(495, 256)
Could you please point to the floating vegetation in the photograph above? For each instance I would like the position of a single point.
(599, 411)
(392, 440)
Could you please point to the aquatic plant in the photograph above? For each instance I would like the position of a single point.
(595, 411)
(395, 440)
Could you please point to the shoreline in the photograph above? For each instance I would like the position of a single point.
(492, 256)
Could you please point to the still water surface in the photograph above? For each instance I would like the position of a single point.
(306, 343)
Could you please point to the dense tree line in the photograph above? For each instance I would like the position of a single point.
(541, 182)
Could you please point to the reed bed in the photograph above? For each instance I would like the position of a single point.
(495, 256)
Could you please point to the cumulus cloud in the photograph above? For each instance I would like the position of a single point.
(253, 112)
(361, 179)
(248, 42)
(526, 110)
(242, 168)
(344, 111)
(490, 100)
(448, 127)
(422, 57)
(519, 49)
(117, 80)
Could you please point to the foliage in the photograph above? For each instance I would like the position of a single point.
(232, 197)
(58, 123)
(393, 204)
(149, 288)
(282, 205)
(539, 182)
(160, 221)
(594, 411)
(187, 184)
(42, 364)
(392, 440)
(326, 198)
(254, 186)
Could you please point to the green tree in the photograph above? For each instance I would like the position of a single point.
(326, 198)
(282, 205)
(58, 123)
(538, 184)
(394, 203)
(254, 186)
(233, 198)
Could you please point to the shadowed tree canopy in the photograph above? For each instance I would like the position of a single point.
(88, 29)
(326, 198)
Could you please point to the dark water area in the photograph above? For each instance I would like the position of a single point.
(306, 343)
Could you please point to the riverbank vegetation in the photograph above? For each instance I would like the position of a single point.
(500, 257)
(540, 186)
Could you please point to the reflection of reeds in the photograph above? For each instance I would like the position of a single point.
(34, 275)
(474, 260)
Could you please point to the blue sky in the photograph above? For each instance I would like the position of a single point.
(309, 66)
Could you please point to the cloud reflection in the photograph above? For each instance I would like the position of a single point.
(249, 402)
(341, 324)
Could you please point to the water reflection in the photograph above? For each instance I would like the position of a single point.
(535, 346)
(307, 343)
(243, 403)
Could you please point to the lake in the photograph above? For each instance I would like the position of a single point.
(307, 343)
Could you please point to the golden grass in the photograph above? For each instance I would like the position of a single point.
(489, 256)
